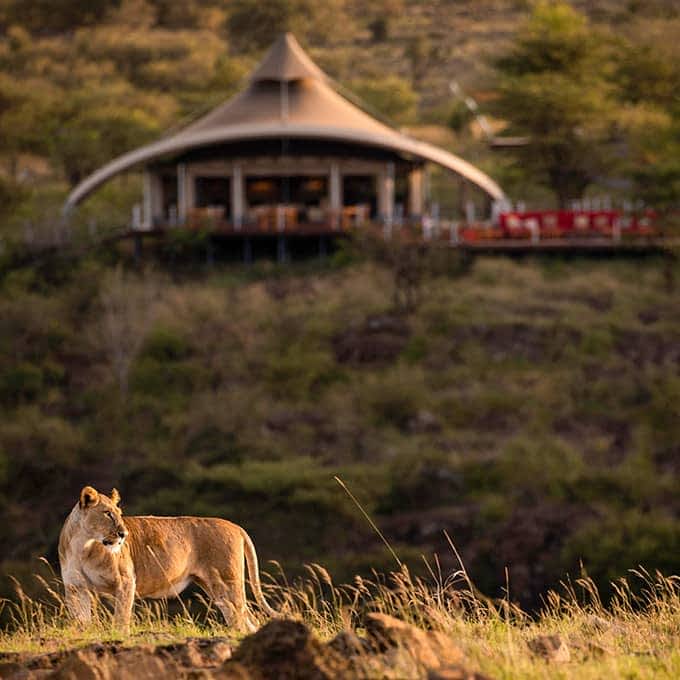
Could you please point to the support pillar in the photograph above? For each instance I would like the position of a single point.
(247, 250)
(281, 252)
(416, 193)
(237, 202)
(138, 248)
(182, 198)
(335, 194)
(209, 252)
(153, 199)
(386, 195)
(147, 212)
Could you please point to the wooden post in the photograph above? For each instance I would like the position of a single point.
(138, 248)
(182, 197)
(386, 195)
(237, 202)
(415, 193)
(281, 254)
(335, 194)
(153, 199)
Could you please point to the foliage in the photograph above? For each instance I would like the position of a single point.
(391, 96)
(254, 25)
(635, 635)
(553, 85)
(522, 405)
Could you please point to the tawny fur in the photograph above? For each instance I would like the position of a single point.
(157, 557)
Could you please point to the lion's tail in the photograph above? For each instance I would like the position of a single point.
(254, 574)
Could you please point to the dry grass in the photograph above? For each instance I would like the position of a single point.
(636, 635)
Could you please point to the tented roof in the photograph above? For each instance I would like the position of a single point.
(288, 96)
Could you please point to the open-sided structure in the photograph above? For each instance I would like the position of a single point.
(287, 153)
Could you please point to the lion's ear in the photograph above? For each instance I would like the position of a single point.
(115, 497)
(88, 497)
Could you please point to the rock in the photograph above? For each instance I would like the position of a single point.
(455, 673)
(550, 647)
(286, 650)
(100, 663)
(430, 649)
(378, 340)
(13, 670)
(200, 652)
(424, 421)
(349, 644)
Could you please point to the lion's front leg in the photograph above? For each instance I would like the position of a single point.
(125, 597)
(79, 602)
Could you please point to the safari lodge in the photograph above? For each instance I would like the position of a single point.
(288, 155)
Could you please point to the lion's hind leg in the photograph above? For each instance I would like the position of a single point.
(229, 595)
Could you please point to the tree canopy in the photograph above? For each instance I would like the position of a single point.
(592, 104)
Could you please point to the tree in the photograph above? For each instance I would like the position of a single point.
(554, 85)
(253, 24)
(128, 308)
(648, 80)
(391, 96)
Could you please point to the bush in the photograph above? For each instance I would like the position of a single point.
(298, 372)
(166, 345)
(609, 546)
(423, 480)
(395, 397)
(166, 380)
(540, 467)
(391, 96)
(21, 382)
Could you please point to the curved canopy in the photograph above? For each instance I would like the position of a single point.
(288, 97)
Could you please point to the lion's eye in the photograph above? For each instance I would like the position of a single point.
(109, 514)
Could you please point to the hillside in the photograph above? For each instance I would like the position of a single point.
(527, 407)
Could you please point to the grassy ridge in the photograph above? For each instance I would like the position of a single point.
(528, 407)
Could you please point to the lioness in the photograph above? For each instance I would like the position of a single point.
(156, 557)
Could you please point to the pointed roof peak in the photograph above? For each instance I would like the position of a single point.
(286, 61)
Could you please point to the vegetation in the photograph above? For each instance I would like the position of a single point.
(82, 83)
(637, 636)
(575, 89)
(528, 407)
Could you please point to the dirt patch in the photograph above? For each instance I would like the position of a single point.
(281, 650)
(104, 661)
(643, 348)
(377, 340)
(518, 340)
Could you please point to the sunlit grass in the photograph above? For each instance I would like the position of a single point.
(636, 634)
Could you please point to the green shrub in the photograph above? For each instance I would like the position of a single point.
(540, 467)
(416, 349)
(212, 445)
(22, 382)
(423, 480)
(395, 397)
(299, 372)
(609, 546)
(166, 380)
(166, 344)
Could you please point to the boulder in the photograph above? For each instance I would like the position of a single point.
(286, 650)
(550, 647)
(429, 649)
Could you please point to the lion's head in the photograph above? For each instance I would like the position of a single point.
(102, 519)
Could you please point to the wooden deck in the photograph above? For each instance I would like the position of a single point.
(593, 243)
